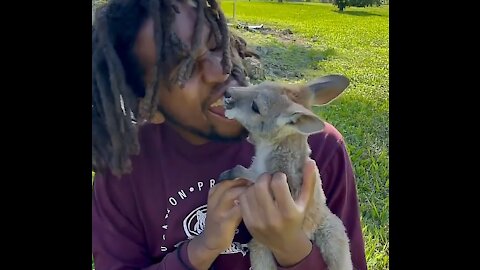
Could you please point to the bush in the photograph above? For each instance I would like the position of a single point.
(342, 4)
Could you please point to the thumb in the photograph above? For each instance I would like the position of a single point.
(308, 186)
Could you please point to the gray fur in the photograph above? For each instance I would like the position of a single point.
(279, 132)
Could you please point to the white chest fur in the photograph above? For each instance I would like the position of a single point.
(262, 157)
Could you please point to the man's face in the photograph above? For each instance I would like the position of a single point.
(190, 109)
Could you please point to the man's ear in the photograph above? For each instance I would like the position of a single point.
(327, 88)
(156, 118)
(301, 119)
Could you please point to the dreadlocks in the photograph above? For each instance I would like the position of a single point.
(117, 84)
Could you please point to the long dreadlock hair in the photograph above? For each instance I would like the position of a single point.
(117, 84)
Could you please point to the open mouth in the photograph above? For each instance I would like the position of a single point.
(218, 108)
(220, 105)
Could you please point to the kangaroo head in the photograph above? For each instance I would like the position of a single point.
(273, 110)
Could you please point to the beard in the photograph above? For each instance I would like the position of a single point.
(212, 134)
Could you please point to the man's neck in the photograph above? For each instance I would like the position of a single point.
(188, 136)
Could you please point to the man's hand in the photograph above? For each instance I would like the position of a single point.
(274, 219)
(223, 218)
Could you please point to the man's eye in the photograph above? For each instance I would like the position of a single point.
(255, 107)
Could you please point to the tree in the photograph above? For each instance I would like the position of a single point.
(342, 4)
(364, 3)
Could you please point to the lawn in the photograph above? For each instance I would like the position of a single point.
(305, 40)
(353, 43)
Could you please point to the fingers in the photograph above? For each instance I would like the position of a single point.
(247, 200)
(264, 196)
(308, 186)
(219, 189)
(226, 201)
(281, 191)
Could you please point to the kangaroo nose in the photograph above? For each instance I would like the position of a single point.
(227, 94)
(228, 100)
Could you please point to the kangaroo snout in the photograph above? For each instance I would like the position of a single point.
(228, 99)
(227, 94)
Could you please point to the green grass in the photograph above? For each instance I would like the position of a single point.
(354, 43)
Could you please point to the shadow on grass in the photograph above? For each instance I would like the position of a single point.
(288, 60)
(363, 121)
(357, 13)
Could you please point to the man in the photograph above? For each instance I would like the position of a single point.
(153, 191)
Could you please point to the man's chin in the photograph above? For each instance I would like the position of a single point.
(231, 131)
(219, 134)
(213, 134)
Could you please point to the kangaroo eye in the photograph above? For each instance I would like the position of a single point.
(255, 107)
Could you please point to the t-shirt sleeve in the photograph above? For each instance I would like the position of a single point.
(341, 193)
(314, 260)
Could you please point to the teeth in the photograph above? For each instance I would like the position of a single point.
(217, 103)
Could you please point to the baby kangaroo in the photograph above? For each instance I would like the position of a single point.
(279, 120)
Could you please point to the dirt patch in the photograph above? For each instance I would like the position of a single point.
(283, 55)
(284, 35)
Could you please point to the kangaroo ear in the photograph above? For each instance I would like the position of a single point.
(301, 119)
(327, 88)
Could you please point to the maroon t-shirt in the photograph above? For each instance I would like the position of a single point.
(139, 219)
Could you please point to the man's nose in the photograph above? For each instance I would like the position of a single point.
(212, 68)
